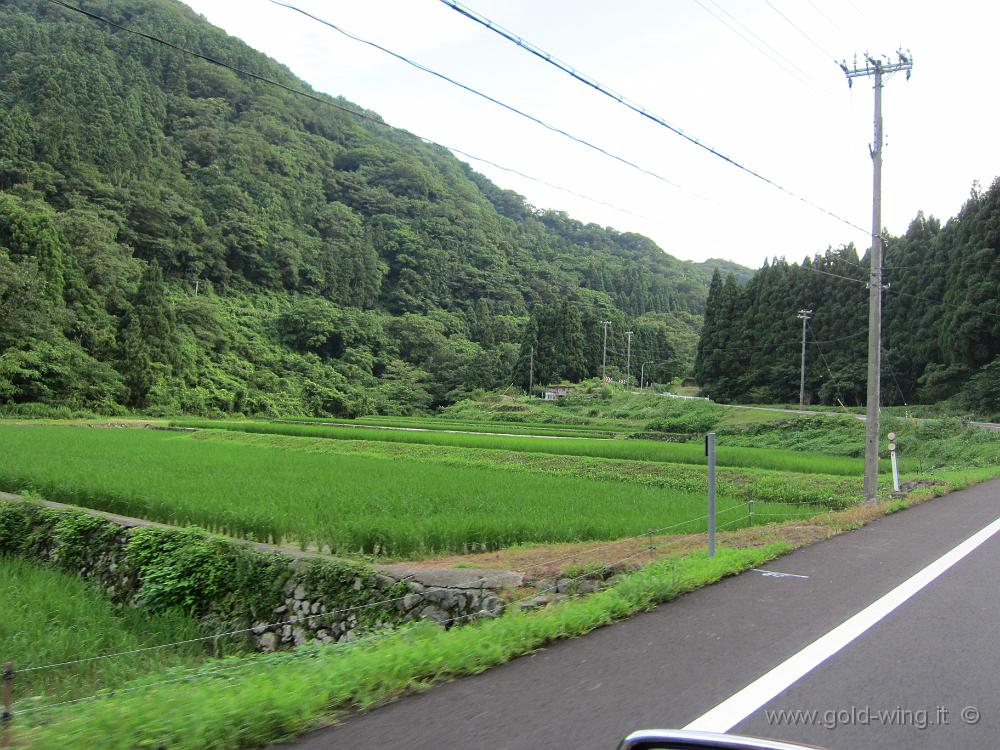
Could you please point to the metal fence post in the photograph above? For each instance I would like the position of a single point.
(8, 689)
(710, 452)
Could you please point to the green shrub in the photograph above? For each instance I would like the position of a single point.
(981, 393)
(692, 422)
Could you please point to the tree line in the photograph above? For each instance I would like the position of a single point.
(940, 327)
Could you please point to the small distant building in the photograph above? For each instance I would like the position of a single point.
(556, 392)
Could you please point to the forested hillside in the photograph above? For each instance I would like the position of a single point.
(941, 320)
(175, 237)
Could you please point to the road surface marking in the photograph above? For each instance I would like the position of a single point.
(776, 574)
(735, 709)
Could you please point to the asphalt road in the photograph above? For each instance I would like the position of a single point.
(903, 683)
(994, 426)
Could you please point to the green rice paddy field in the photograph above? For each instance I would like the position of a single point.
(341, 502)
(636, 450)
(447, 425)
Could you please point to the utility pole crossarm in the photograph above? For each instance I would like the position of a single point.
(872, 64)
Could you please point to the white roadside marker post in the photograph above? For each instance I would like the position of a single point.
(895, 463)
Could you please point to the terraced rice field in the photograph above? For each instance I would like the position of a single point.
(341, 502)
(636, 450)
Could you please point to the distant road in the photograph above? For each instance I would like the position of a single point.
(982, 425)
(927, 669)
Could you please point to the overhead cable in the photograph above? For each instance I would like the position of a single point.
(795, 26)
(798, 74)
(850, 40)
(623, 100)
(476, 92)
(361, 115)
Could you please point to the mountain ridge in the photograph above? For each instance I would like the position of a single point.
(193, 240)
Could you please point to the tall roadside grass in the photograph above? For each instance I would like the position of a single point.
(343, 503)
(636, 450)
(51, 617)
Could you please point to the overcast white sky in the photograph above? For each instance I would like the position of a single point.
(788, 114)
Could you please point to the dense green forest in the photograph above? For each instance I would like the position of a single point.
(941, 320)
(174, 237)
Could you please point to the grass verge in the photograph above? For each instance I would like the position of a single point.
(253, 701)
(51, 617)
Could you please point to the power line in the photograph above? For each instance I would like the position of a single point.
(750, 31)
(842, 338)
(326, 102)
(893, 374)
(857, 9)
(791, 23)
(949, 263)
(487, 97)
(546, 183)
(834, 275)
(894, 290)
(851, 40)
(621, 99)
(837, 393)
(214, 61)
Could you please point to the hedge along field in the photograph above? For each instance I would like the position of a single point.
(346, 503)
(636, 450)
(51, 617)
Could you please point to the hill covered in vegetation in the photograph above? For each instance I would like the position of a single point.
(940, 328)
(178, 237)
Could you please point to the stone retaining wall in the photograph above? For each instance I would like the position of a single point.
(280, 599)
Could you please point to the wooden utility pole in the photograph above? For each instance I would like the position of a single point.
(804, 315)
(880, 69)
(628, 358)
(604, 357)
(531, 373)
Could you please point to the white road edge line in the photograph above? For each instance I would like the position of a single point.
(735, 709)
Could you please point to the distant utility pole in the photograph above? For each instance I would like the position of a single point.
(604, 358)
(628, 358)
(880, 69)
(531, 372)
(804, 314)
(642, 375)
